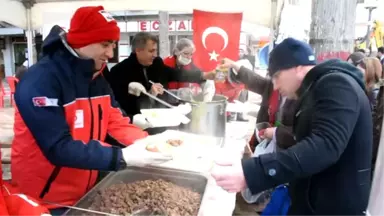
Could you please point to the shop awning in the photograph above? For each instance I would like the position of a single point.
(13, 12)
(49, 11)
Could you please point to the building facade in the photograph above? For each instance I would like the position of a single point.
(13, 46)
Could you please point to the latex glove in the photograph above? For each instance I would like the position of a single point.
(208, 90)
(157, 89)
(183, 109)
(136, 88)
(140, 121)
(133, 158)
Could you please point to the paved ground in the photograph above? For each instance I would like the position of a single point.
(6, 152)
(7, 101)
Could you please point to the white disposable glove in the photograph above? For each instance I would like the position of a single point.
(242, 62)
(208, 90)
(140, 121)
(183, 109)
(136, 88)
(134, 158)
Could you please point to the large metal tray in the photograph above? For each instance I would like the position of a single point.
(193, 180)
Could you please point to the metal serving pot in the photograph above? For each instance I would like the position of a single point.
(207, 118)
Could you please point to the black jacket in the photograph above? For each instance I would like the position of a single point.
(130, 70)
(264, 87)
(329, 167)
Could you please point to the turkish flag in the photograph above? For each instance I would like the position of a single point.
(217, 36)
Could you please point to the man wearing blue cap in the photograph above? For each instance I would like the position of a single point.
(329, 167)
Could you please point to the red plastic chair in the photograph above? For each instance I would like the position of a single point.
(2, 93)
(12, 81)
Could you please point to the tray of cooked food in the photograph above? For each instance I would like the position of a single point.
(163, 192)
(181, 145)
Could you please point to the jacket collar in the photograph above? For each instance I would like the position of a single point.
(86, 66)
(307, 82)
(135, 61)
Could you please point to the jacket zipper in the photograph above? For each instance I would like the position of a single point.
(100, 120)
(99, 138)
(91, 130)
(49, 182)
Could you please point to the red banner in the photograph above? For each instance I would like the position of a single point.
(217, 36)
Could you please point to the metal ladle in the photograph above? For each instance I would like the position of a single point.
(190, 97)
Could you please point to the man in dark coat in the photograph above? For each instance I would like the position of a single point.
(329, 167)
(143, 66)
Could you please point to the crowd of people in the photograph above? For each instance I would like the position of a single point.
(75, 117)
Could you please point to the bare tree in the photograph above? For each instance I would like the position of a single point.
(332, 29)
(164, 34)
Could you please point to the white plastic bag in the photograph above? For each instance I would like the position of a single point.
(265, 147)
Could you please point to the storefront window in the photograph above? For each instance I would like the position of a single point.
(115, 58)
(20, 52)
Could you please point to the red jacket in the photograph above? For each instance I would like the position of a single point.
(63, 118)
(170, 61)
(18, 204)
(232, 91)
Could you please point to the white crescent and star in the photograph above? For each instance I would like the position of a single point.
(214, 30)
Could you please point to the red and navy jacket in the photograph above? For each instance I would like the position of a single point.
(63, 117)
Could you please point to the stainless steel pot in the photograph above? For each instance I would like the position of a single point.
(207, 118)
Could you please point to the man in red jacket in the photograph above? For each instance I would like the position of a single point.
(68, 125)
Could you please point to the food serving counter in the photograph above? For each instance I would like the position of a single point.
(190, 169)
(215, 200)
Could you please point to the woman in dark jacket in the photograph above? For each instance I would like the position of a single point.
(274, 109)
(373, 72)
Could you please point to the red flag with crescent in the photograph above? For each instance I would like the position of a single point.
(217, 36)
